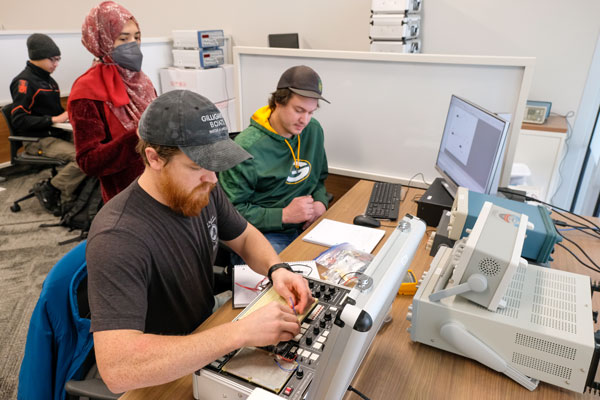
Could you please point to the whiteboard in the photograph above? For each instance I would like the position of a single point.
(75, 59)
(387, 111)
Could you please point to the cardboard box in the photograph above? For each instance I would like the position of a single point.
(216, 84)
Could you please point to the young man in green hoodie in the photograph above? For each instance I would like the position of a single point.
(281, 191)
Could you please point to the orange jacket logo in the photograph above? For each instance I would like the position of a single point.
(22, 86)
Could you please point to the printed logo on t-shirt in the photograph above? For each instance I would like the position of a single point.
(213, 231)
(297, 175)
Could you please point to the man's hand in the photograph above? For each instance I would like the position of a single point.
(299, 210)
(318, 210)
(270, 325)
(60, 118)
(291, 285)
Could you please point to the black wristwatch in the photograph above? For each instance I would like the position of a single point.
(276, 267)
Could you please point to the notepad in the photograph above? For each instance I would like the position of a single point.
(329, 233)
(247, 283)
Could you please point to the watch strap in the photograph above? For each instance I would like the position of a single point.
(276, 267)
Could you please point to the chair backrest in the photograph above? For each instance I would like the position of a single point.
(15, 145)
(16, 142)
(58, 340)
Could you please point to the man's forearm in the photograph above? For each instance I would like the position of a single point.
(131, 359)
(255, 249)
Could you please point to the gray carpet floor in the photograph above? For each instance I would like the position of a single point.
(27, 253)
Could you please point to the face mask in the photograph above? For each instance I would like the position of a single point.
(128, 56)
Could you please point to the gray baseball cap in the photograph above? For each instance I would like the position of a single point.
(302, 80)
(193, 123)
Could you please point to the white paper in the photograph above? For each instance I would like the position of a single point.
(329, 233)
(244, 277)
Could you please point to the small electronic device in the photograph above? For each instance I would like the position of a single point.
(395, 6)
(409, 284)
(545, 332)
(321, 361)
(540, 241)
(193, 39)
(472, 148)
(396, 46)
(536, 112)
(394, 27)
(365, 220)
(432, 204)
(489, 256)
(203, 58)
(284, 40)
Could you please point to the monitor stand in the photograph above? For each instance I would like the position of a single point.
(433, 202)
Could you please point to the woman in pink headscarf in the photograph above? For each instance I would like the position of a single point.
(107, 101)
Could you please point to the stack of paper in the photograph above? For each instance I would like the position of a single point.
(330, 233)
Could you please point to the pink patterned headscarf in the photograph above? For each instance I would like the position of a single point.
(100, 29)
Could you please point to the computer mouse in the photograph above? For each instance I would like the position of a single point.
(366, 221)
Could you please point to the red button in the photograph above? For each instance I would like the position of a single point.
(288, 390)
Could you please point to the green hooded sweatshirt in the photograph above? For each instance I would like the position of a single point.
(261, 187)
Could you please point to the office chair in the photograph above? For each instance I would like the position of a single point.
(23, 161)
(59, 348)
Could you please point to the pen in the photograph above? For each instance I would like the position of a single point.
(293, 306)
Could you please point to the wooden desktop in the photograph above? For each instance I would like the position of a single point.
(395, 367)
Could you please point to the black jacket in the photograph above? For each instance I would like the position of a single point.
(36, 99)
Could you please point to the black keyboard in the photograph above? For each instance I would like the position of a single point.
(384, 201)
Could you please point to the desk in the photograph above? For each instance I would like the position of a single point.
(395, 367)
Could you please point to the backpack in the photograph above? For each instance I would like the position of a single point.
(79, 213)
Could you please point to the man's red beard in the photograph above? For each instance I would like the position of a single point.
(186, 203)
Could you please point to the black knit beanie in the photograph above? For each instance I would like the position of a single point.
(41, 46)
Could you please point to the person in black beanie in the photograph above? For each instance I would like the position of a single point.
(35, 108)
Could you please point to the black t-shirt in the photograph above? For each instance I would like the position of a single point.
(150, 269)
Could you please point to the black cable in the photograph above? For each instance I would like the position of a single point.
(292, 265)
(528, 198)
(362, 396)
(577, 258)
(582, 229)
(596, 227)
(415, 187)
(580, 249)
(595, 235)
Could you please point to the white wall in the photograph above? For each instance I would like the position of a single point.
(562, 35)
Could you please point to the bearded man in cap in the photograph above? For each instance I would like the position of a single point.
(151, 249)
(35, 108)
(281, 190)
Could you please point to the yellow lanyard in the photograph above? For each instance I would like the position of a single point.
(296, 159)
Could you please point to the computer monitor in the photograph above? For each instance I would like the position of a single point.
(347, 346)
(472, 148)
(284, 40)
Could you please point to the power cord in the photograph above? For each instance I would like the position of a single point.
(584, 253)
(577, 258)
(410, 181)
(362, 396)
(554, 208)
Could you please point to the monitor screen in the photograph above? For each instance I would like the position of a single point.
(472, 148)
(284, 40)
